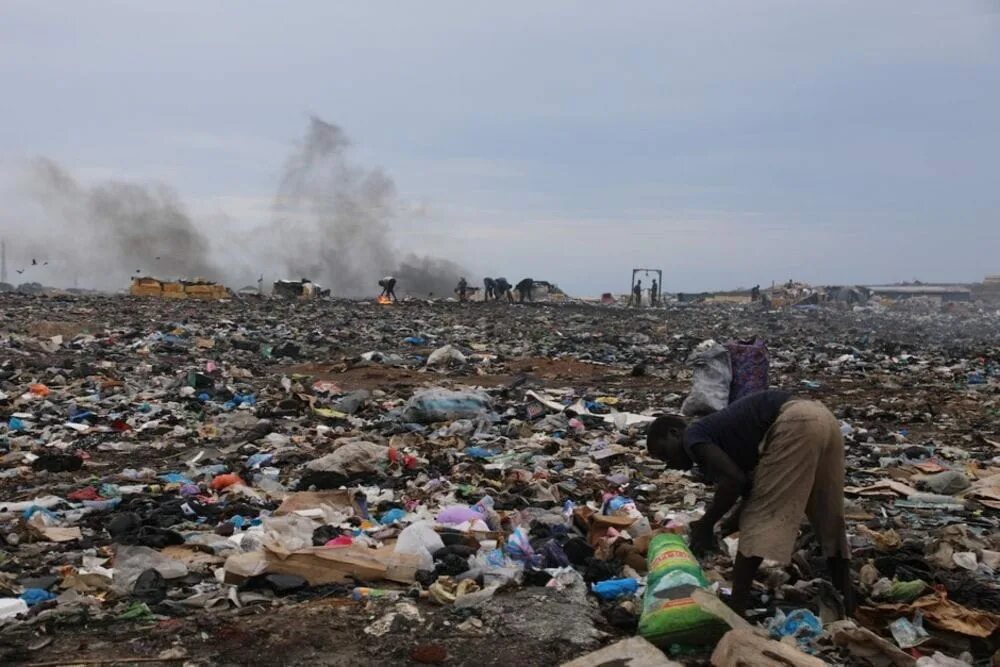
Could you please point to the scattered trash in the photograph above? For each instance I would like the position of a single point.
(173, 469)
(744, 648)
(800, 624)
(634, 652)
(908, 634)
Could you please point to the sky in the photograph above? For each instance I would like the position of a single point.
(726, 143)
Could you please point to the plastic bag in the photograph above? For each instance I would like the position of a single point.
(711, 382)
(11, 607)
(287, 533)
(351, 458)
(669, 614)
(612, 589)
(941, 660)
(421, 540)
(458, 514)
(438, 405)
(444, 356)
(750, 367)
(907, 634)
(520, 550)
(130, 562)
(800, 624)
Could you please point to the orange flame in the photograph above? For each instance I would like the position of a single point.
(384, 300)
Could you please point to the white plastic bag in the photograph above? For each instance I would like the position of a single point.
(287, 533)
(131, 561)
(713, 375)
(352, 457)
(421, 540)
(444, 356)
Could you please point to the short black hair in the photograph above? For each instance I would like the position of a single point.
(660, 430)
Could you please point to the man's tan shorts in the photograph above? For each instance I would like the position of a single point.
(800, 472)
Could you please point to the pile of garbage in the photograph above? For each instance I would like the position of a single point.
(429, 473)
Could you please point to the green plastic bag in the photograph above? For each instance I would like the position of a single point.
(669, 615)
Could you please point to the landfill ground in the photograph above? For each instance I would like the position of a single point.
(104, 397)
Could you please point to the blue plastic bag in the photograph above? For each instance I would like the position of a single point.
(801, 624)
(257, 460)
(519, 548)
(612, 589)
(479, 453)
(392, 516)
(33, 596)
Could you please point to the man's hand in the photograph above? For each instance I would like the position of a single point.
(702, 537)
(732, 523)
(730, 526)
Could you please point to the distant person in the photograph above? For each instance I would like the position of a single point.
(388, 285)
(755, 293)
(637, 294)
(653, 293)
(524, 290)
(463, 289)
(502, 289)
(783, 458)
(489, 289)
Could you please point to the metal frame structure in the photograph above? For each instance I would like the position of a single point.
(659, 284)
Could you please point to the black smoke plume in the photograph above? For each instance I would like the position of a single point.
(333, 222)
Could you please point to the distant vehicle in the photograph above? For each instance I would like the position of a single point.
(298, 289)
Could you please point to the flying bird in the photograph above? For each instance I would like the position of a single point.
(20, 270)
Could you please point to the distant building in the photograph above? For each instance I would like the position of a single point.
(988, 290)
(939, 293)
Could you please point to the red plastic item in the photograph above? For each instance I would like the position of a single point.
(340, 541)
(225, 481)
(86, 493)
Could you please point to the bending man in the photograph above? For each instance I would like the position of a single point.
(524, 290)
(388, 285)
(785, 459)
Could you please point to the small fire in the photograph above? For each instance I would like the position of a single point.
(384, 300)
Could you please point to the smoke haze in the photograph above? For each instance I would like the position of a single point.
(333, 222)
